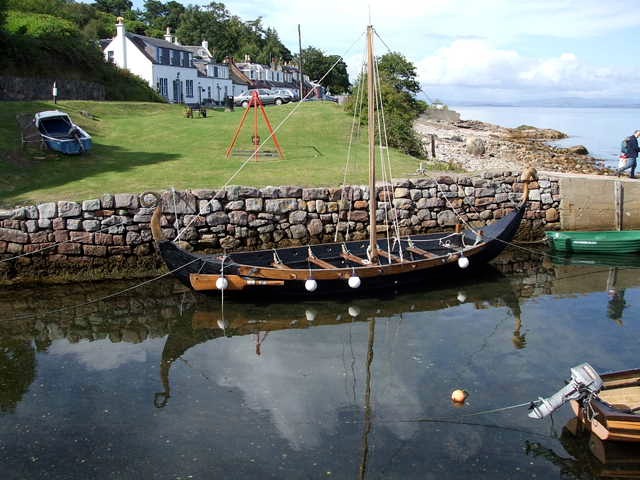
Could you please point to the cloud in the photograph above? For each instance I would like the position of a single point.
(103, 354)
(477, 63)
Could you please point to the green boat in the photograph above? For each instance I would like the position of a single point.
(610, 242)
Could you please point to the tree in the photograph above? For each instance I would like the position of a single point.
(114, 7)
(3, 13)
(399, 71)
(316, 64)
(398, 86)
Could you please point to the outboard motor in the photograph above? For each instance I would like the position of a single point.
(584, 381)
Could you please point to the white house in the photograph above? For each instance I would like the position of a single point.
(181, 74)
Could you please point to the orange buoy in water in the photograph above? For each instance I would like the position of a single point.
(459, 396)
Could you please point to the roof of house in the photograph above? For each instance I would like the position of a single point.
(147, 44)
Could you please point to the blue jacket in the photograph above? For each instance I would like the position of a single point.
(633, 147)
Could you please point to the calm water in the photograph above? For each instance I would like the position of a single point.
(160, 383)
(601, 130)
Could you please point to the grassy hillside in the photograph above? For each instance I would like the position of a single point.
(151, 146)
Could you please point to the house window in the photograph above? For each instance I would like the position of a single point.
(110, 58)
(163, 85)
(175, 57)
(215, 72)
(185, 59)
(209, 93)
(189, 88)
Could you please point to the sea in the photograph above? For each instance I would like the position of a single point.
(600, 129)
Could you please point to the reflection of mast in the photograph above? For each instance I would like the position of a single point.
(368, 411)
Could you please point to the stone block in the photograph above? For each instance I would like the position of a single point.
(298, 231)
(217, 218)
(447, 218)
(315, 227)
(91, 205)
(31, 226)
(179, 202)
(47, 210)
(94, 250)
(298, 217)
(15, 248)
(69, 209)
(235, 205)
(126, 201)
(70, 249)
(74, 223)
(107, 201)
(44, 223)
(281, 205)
(119, 250)
(90, 225)
(239, 217)
(401, 192)
(133, 238)
(81, 237)
(39, 237)
(254, 204)
(15, 236)
(103, 239)
(315, 194)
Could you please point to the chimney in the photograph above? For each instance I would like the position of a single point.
(205, 45)
(121, 35)
(167, 36)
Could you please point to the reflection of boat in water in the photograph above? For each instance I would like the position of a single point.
(207, 321)
(596, 260)
(590, 457)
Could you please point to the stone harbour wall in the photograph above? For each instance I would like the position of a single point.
(110, 237)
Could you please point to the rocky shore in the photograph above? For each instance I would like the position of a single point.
(472, 145)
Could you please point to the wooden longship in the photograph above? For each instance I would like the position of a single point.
(344, 266)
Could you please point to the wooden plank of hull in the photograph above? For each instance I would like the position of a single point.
(205, 281)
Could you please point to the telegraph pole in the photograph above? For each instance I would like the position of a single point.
(300, 62)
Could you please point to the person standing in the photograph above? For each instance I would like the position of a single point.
(629, 151)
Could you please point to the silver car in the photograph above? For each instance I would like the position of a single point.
(267, 96)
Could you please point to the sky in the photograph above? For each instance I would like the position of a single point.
(480, 51)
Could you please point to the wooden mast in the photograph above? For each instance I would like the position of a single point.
(373, 245)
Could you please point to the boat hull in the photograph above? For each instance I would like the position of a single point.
(331, 266)
(615, 410)
(609, 242)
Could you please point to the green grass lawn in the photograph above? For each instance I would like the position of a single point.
(150, 146)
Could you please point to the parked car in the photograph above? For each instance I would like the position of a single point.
(287, 94)
(267, 96)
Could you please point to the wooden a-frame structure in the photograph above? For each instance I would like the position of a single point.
(255, 104)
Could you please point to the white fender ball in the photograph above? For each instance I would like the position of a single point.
(222, 283)
(354, 282)
(463, 262)
(462, 297)
(311, 285)
(354, 311)
(310, 315)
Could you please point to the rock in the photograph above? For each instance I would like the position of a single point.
(475, 146)
(578, 150)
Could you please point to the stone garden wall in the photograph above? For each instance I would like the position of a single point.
(109, 237)
(26, 88)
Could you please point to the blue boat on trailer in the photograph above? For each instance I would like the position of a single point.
(60, 134)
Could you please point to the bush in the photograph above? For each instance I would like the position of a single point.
(42, 45)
